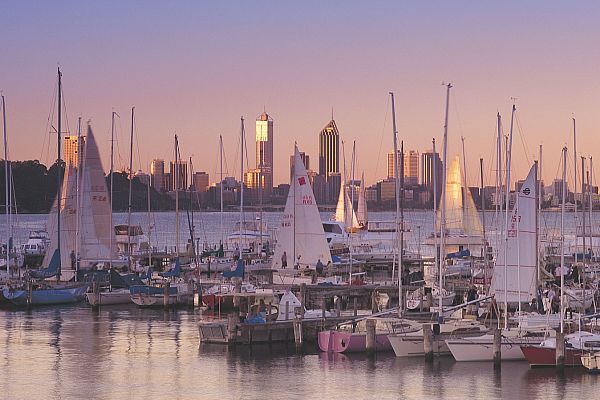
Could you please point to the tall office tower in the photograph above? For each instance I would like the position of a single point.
(72, 151)
(431, 162)
(200, 182)
(264, 152)
(179, 181)
(305, 159)
(157, 173)
(411, 167)
(329, 161)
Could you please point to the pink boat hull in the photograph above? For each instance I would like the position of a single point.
(347, 342)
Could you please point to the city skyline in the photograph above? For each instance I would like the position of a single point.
(198, 98)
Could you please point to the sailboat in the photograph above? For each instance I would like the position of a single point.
(301, 237)
(38, 291)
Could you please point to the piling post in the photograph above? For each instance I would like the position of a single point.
(371, 324)
(560, 351)
(374, 307)
(166, 295)
(428, 342)
(298, 337)
(323, 307)
(429, 300)
(96, 295)
(29, 292)
(497, 348)
(232, 320)
(355, 307)
(287, 310)
(237, 289)
(338, 307)
(303, 297)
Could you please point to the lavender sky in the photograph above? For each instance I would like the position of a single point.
(193, 68)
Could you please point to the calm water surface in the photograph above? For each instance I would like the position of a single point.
(128, 353)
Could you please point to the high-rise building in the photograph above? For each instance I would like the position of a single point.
(157, 174)
(329, 161)
(179, 180)
(411, 167)
(200, 182)
(305, 159)
(264, 152)
(431, 162)
(71, 150)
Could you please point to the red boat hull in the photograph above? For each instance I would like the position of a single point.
(546, 357)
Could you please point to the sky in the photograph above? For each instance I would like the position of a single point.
(194, 68)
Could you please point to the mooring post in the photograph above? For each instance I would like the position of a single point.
(429, 300)
(355, 307)
(287, 310)
(323, 307)
(371, 338)
(497, 348)
(338, 307)
(560, 351)
(29, 292)
(428, 342)
(166, 295)
(374, 307)
(232, 320)
(298, 337)
(96, 295)
(303, 297)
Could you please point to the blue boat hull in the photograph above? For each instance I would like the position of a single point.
(41, 297)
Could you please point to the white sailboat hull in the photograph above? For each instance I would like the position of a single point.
(481, 348)
(120, 296)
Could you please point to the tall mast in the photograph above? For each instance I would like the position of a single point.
(397, 186)
(582, 213)
(130, 187)
(352, 205)
(112, 156)
(7, 197)
(590, 182)
(498, 170)
(176, 184)
(443, 201)
(435, 177)
(78, 212)
(401, 248)
(149, 223)
(575, 182)
(485, 245)
(506, 212)
(294, 195)
(221, 184)
(562, 241)
(59, 191)
(241, 184)
(539, 219)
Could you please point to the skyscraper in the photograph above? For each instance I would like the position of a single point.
(201, 182)
(179, 181)
(72, 151)
(431, 162)
(157, 173)
(264, 152)
(411, 167)
(329, 161)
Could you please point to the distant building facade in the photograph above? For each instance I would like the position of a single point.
(157, 174)
(329, 161)
(264, 153)
(71, 150)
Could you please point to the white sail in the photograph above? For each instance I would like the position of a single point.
(462, 217)
(301, 231)
(362, 215)
(516, 261)
(68, 221)
(95, 230)
(344, 211)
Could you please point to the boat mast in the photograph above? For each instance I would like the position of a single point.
(78, 212)
(241, 185)
(498, 171)
(149, 223)
(397, 186)
(443, 200)
(352, 205)
(591, 207)
(112, 156)
(538, 219)
(401, 248)
(507, 200)
(7, 197)
(582, 215)
(294, 209)
(485, 245)
(176, 183)
(130, 187)
(221, 184)
(59, 190)
(575, 183)
(562, 241)
(435, 177)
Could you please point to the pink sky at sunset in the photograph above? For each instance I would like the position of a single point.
(193, 68)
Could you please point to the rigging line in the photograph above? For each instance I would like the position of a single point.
(522, 137)
(387, 106)
(48, 128)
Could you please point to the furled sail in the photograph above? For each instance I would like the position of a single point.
(362, 215)
(344, 211)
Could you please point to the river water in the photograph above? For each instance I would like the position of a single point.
(123, 352)
(128, 353)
